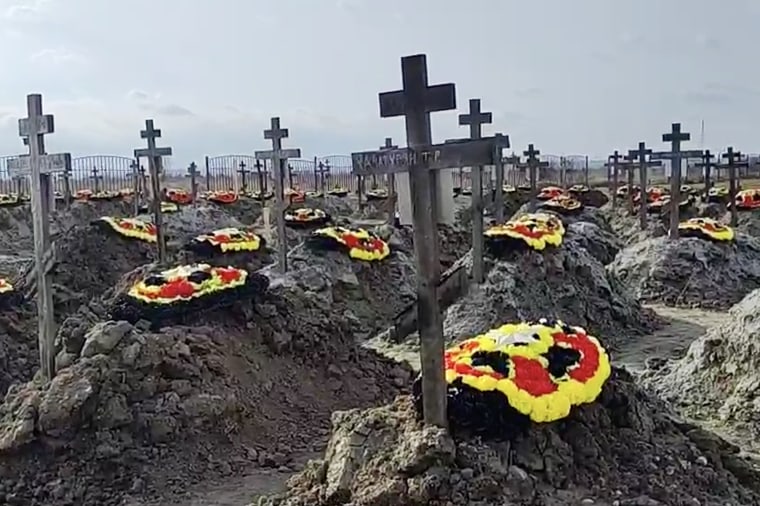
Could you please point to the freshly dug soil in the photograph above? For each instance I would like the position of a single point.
(625, 449)
(136, 414)
(748, 222)
(690, 272)
(453, 242)
(717, 381)
(19, 358)
(566, 283)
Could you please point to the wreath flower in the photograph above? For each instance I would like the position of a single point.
(226, 240)
(338, 191)
(536, 371)
(186, 282)
(360, 244)
(315, 194)
(179, 196)
(105, 195)
(563, 204)
(623, 190)
(508, 188)
(377, 194)
(9, 200)
(549, 192)
(221, 196)
(706, 228)
(129, 227)
(717, 194)
(5, 286)
(83, 194)
(579, 188)
(747, 200)
(259, 195)
(535, 231)
(306, 216)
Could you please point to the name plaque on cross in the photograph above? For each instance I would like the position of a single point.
(21, 165)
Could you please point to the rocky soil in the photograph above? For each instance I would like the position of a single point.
(625, 449)
(690, 271)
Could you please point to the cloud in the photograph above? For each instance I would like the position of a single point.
(173, 110)
(58, 56)
(28, 9)
(137, 95)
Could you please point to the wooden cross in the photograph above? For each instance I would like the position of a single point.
(290, 177)
(321, 169)
(707, 164)
(475, 119)
(733, 160)
(564, 163)
(641, 154)
(675, 137)
(279, 159)
(628, 165)
(66, 176)
(96, 179)
(503, 141)
(613, 166)
(192, 173)
(392, 197)
(154, 156)
(261, 178)
(136, 179)
(243, 171)
(39, 166)
(533, 165)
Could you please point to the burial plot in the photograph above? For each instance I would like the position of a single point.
(707, 164)
(154, 154)
(640, 157)
(192, 173)
(733, 161)
(39, 166)
(279, 159)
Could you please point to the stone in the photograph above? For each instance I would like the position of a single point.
(104, 337)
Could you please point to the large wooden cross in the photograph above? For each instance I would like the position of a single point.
(39, 166)
(279, 158)
(475, 119)
(708, 163)
(415, 101)
(192, 173)
(675, 137)
(641, 155)
(154, 156)
(534, 164)
(733, 160)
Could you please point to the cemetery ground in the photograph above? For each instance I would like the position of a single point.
(218, 409)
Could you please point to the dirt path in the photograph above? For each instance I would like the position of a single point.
(683, 326)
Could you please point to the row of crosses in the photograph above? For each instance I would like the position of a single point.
(643, 158)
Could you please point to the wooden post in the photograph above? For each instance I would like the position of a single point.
(641, 154)
(475, 119)
(243, 171)
(324, 172)
(733, 161)
(392, 196)
(629, 174)
(192, 173)
(499, 170)
(208, 174)
(279, 159)
(533, 166)
(316, 177)
(154, 156)
(613, 165)
(40, 166)
(707, 164)
(96, 179)
(136, 180)
(585, 172)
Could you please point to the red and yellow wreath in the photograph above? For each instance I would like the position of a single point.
(9, 200)
(179, 196)
(260, 195)
(549, 192)
(717, 194)
(377, 194)
(338, 191)
(563, 204)
(306, 216)
(706, 228)
(508, 188)
(539, 370)
(748, 200)
(535, 231)
(579, 188)
(623, 191)
(129, 227)
(186, 282)
(360, 244)
(314, 194)
(105, 195)
(221, 196)
(226, 240)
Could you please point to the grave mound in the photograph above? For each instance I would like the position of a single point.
(19, 359)
(626, 448)
(565, 282)
(691, 271)
(453, 242)
(717, 379)
(749, 223)
(134, 414)
(245, 210)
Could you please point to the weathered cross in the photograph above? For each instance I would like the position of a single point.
(733, 160)
(154, 155)
(503, 143)
(629, 166)
(243, 170)
(261, 177)
(319, 175)
(136, 180)
(279, 159)
(392, 197)
(96, 177)
(475, 119)
(707, 164)
(641, 155)
(613, 165)
(533, 165)
(39, 166)
(419, 160)
(290, 177)
(192, 173)
(675, 137)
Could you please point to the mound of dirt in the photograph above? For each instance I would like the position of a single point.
(690, 271)
(245, 211)
(624, 449)
(18, 344)
(749, 223)
(717, 378)
(566, 283)
(453, 242)
(135, 414)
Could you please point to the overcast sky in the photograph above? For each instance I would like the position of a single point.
(573, 77)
